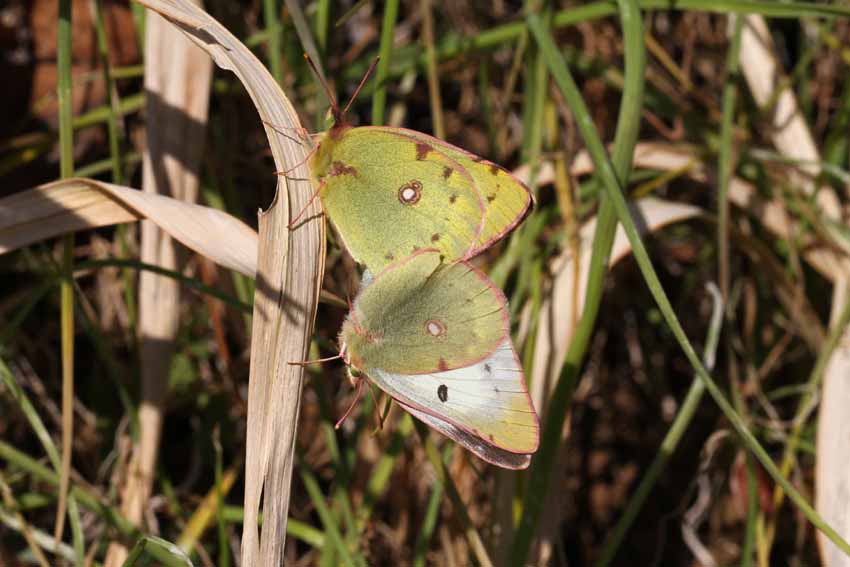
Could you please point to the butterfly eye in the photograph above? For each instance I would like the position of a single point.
(355, 373)
(410, 192)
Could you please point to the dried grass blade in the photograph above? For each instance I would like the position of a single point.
(289, 272)
(80, 204)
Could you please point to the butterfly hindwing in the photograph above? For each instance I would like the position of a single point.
(390, 195)
(485, 406)
(423, 315)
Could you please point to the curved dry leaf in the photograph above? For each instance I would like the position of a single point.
(289, 273)
(72, 205)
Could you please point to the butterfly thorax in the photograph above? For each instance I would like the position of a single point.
(322, 161)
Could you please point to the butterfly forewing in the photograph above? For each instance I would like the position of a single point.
(390, 195)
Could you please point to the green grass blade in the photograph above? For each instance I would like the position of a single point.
(379, 96)
(66, 155)
(271, 16)
(558, 405)
(332, 531)
(725, 161)
(159, 550)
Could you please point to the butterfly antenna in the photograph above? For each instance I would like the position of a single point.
(360, 86)
(307, 362)
(337, 115)
(353, 403)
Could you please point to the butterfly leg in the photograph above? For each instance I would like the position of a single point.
(382, 416)
(357, 395)
(294, 221)
(300, 130)
(308, 362)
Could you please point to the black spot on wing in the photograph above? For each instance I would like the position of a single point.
(443, 393)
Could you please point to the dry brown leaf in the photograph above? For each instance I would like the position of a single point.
(289, 272)
(72, 205)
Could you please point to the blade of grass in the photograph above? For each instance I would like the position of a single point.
(726, 166)
(323, 22)
(305, 35)
(113, 99)
(66, 156)
(625, 139)
(334, 537)
(434, 99)
(271, 15)
(807, 401)
(380, 474)
(207, 509)
(223, 545)
(164, 552)
(31, 415)
(671, 440)
(614, 194)
(385, 48)
(191, 283)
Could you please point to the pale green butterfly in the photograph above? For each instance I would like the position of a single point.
(435, 337)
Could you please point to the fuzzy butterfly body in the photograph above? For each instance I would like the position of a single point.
(391, 191)
(435, 337)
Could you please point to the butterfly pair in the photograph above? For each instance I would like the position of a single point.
(429, 329)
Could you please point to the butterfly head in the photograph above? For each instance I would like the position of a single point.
(335, 118)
